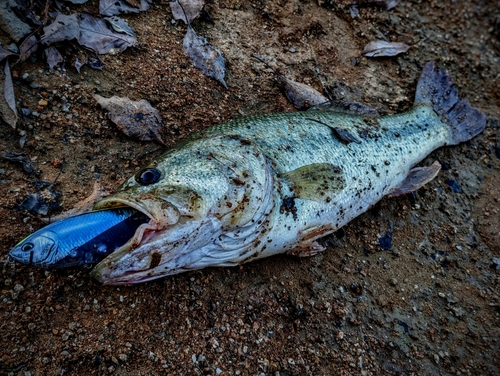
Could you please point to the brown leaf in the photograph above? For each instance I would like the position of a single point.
(114, 7)
(28, 47)
(8, 110)
(204, 57)
(136, 119)
(186, 8)
(96, 35)
(53, 57)
(379, 48)
(4, 53)
(63, 28)
(302, 96)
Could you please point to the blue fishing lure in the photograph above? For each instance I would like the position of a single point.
(83, 239)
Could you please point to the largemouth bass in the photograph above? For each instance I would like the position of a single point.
(267, 184)
(80, 240)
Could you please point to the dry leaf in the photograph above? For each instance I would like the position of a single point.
(114, 7)
(120, 25)
(302, 96)
(96, 35)
(204, 56)
(186, 8)
(89, 31)
(379, 48)
(28, 47)
(4, 53)
(8, 110)
(63, 28)
(136, 119)
(53, 57)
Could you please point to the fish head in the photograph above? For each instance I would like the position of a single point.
(196, 201)
(40, 249)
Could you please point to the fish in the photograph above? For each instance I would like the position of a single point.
(262, 185)
(79, 240)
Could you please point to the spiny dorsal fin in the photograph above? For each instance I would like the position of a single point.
(348, 108)
(417, 177)
(317, 182)
(342, 134)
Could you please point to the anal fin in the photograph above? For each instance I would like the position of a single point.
(417, 177)
(307, 250)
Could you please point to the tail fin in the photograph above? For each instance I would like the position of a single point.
(435, 89)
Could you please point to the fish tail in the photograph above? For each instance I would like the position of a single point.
(436, 89)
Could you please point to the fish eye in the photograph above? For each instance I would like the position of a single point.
(148, 176)
(27, 247)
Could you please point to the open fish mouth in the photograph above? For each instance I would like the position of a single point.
(162, 213)
(126, 265)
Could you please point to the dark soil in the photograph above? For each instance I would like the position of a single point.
(429, 304)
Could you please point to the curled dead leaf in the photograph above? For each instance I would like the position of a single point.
(204, 57)
(114, 7)
(379, 48)
(53, 57)
(4, 53)
(137, 119)
(186, 8)
(96, 35)
(28, 47)
(8, 110)
(64, 27)
(302, 96)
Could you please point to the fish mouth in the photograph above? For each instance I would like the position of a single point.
(162, 213)
(162, 216)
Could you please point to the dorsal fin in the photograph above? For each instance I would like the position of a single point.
(348, 108)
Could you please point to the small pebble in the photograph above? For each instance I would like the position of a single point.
(123, 357)
(436, 358)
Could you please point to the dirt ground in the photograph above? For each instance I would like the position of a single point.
(429, 305)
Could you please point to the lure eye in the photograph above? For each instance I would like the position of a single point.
(27, 247)
(148, 176)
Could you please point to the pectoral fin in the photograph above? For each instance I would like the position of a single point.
(318, 182)
(417, 177)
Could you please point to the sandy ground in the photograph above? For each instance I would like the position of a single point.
(428, 306)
